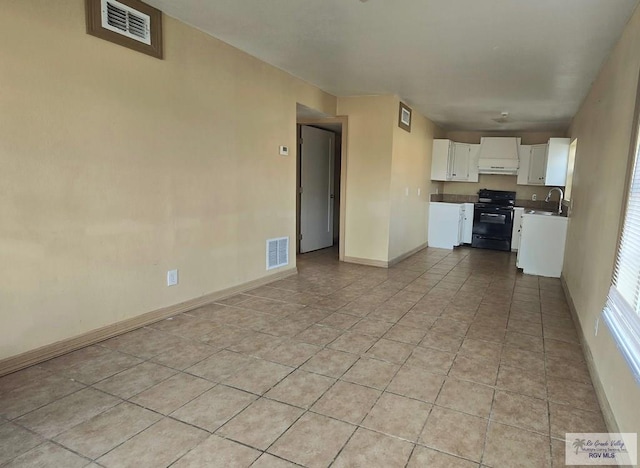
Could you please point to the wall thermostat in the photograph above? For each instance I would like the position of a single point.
(284, 151)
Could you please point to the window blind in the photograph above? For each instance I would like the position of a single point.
(622, 309)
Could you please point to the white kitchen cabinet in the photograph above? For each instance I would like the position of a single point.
(467, 223)
(557, 161)
(445, 225)
(460, 157)
(515, 234)
(524, 152)
(453, 161)
(473, 163)
(537, 164)
(542, 242)
(544, 164)
(440, 159)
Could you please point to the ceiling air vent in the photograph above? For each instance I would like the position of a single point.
(277, 252)
(124, 20)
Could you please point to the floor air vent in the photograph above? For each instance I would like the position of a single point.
(277, 252)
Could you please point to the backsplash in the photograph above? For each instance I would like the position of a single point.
(496, 182)
(530, 204)
(454, 198)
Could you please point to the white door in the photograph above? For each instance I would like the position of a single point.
(537, 164)
(440, 159)
(316, 198)
(468, 223)
(515, 234)
(461, 154)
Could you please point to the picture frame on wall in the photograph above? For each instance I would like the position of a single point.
(404, 117)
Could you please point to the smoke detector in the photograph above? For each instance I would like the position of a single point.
(504, 117)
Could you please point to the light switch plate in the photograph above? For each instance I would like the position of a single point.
(172, 277)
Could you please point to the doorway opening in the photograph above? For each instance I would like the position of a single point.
(320, 185)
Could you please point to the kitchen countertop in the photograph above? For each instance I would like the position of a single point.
(544, 213)
(540, 205)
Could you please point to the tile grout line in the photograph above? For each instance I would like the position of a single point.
(360, 355)
(493, 399)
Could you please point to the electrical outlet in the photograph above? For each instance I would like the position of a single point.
(595, 328)
(172, 277)
(534, 197)
(419, 191)
(406, 191)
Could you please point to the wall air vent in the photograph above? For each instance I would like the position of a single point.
(130, 23)
(277, 252)
(121, 19)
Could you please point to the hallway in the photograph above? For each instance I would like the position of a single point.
(448, 359)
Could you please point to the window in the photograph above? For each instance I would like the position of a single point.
(622, 310)
(570, 165)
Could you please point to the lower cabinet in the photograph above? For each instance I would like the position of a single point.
(446, 225)
(515, 234)
(542, 241)
(467, 223)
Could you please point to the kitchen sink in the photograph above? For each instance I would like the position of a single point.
(539, 212)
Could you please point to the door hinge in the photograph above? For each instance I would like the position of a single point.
(300, 141)
(299, 189)
(299, 236)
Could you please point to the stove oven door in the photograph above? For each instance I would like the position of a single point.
(492, 227)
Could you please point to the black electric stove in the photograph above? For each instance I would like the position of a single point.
(493, 220)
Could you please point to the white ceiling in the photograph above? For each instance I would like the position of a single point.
(459, 62)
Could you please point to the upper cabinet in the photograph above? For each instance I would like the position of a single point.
(453, 161)
(544, 164)
(557, 161)
(537, 164)
(440, 159)
(460, 160)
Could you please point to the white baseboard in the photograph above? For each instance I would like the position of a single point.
(607, 412)
(367, 262)
(44, 353)
(383, 263)
(408, 254)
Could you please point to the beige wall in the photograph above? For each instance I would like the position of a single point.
(117, 167)
(382, 223)
(603, 128)
(499, 182)
(369, 149)
(410, 170)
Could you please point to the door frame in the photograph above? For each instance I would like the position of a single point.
(341, 119)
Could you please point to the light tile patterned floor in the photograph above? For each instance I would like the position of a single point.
(448, 359)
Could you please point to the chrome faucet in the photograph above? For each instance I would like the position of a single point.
(559, 201)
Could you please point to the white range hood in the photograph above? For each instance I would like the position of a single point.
(499, 155)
